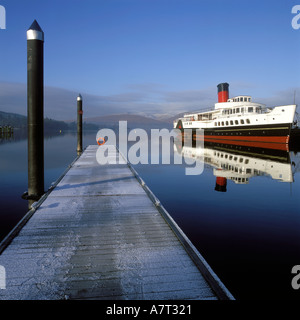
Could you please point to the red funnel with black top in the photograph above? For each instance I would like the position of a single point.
(223, 92)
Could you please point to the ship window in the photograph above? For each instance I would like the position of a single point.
(231, 122)
(236, 122)
(248, 121)
(218, 123)
(230, 111)
(215, 123)
(242, 99)
(242, 110)
(242, 121)
(227, 123)
(237, 110)
(222, 123)
(250, 109)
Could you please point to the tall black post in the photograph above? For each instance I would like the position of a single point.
(35, 110)
(79, 124)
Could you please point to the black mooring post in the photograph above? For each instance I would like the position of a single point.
(35, 110)
(79, 124)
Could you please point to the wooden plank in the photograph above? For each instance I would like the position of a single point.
(99, 235)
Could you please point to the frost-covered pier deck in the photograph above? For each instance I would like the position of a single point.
(102, 234)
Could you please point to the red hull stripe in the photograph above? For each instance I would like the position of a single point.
(265, 145)
(270, 139)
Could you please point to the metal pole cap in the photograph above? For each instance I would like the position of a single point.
(35, 32)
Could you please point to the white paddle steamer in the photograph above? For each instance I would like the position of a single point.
(241, 121)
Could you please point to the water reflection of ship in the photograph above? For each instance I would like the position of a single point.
(239, 163)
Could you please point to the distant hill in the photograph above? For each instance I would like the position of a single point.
(130, 118)
(171, 119)
(93, 123)
(13, 120)
(72, 126)
(19, 121)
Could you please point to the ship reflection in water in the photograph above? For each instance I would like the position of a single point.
(240, 164)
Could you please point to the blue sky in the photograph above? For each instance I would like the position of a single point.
(152, 57)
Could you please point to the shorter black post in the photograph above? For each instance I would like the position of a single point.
(79, 124)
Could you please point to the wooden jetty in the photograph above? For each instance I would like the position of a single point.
(100, 233)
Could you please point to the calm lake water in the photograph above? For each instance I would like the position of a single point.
(248, 233)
